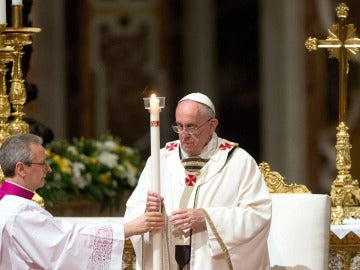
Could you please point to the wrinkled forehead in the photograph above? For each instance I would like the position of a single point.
(37, 149)
(189, 108)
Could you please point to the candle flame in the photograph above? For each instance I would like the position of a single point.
(154, 101)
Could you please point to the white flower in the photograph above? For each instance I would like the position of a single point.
(108, 159)
(77, 168)
(110, 146)
(80, 181)
(72, 150)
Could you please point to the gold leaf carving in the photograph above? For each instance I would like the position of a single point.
(276, 182)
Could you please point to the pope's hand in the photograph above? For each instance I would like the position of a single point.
(188, 218)
(151, 221)
(153, 202)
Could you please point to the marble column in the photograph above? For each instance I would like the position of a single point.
(199, 47)
(283, 87)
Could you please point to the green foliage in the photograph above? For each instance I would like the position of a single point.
(100, 169)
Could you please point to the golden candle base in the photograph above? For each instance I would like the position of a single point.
(18, 37)
(345, 191)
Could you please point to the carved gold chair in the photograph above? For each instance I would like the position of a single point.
(300, 226)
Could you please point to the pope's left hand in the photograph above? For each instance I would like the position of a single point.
(188, 218)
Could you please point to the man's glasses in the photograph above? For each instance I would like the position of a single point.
(191, 129)
(37, 163)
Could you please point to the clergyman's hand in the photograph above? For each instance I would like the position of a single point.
(188, 218)
(153, 202)
(151, 221)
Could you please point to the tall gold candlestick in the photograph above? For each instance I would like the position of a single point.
(18, 36)
(6, 56)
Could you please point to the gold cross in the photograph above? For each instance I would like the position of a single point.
(342, 44)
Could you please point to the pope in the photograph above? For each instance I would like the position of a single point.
(216, 204)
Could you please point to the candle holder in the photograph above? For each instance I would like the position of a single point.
(147, 103)
(18, 36)
(6, 56)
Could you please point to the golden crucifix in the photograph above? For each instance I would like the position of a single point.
(342, 44)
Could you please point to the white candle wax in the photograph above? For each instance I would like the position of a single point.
(155, 172)
(16, 2)
(154, 104)
(155, 141)
(2, 11)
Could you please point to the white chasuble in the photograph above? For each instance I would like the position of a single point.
(33, 239)
(232, 193)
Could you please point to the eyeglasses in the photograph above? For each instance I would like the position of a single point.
(37, 163)
(191, 129)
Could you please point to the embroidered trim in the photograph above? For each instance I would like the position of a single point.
(218, 238)
(102, 248)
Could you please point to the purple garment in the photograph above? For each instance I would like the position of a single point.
(8, 188)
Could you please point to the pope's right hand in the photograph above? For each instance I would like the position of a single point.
(153, 202)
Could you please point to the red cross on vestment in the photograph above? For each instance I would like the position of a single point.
(190, 180)
(171, 146)
(225, 146)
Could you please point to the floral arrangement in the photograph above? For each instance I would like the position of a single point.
(100, 169)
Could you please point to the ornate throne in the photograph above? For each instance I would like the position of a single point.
(300, 227)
